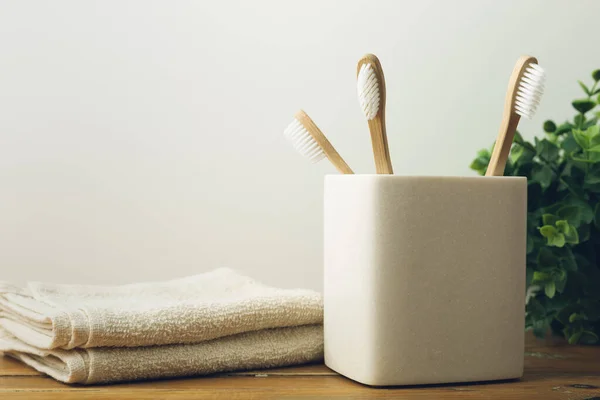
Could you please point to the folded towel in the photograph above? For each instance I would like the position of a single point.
(188, 310)
(262, 349)
(212, 322)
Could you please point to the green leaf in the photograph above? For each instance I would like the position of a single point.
(593, 133)
(591, 180)
(571, 235)
(574, 338)
(592, 183)
(548, 231)
(560, 274)
(561, 283)
(586, 210)
(516, 152)
(585, 88)
(571, 184)
(481, 162)
(575, 317)
(479, 166)
(582, 139)
(562, 226)
(570, 213)
(518, 137)
(547, 150)
(580, 166)
(539, 276)
(587, 157)
(524, 159)
(583, 105)
(552, 208)
(484, 153)
(596, 75)
(563, 315)
(569, 145)
(590, 122)
(557, 240)
(542, 174)
(549, 219)
(550, 289)
(567, 260)
(563, 128)
(593, 175)
(549, 126)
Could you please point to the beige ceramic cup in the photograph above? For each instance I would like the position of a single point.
(424, 278)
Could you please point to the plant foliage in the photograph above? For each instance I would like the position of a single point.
(563, 220)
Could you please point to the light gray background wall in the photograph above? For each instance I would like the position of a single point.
(141, 140)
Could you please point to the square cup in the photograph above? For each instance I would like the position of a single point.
(424, 278)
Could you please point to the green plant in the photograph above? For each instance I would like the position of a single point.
(563, 221)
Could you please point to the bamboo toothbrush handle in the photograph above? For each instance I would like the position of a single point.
(338, 162)
(330, 151)
(381, 151)
(510, 120)
(503, 144)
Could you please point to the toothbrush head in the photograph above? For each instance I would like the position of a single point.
(368, 91)
(531, 88)
(302, 140)
(525, 89)
(370, 86)
(310, 142)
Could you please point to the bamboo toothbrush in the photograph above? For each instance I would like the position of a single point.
(370, 84)
(525, 89)
(309, 141)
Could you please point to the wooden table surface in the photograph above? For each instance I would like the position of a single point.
(552, 371)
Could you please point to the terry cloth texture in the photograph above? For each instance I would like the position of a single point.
(172, 328)
(188, 310)
(266, 348)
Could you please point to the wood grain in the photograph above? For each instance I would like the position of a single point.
(552, 371)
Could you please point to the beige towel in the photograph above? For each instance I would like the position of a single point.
(251, 350)
(212, 322)
(188, 310)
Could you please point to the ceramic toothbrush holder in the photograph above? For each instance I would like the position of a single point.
(424, 278)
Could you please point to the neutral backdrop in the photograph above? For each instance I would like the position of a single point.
(142, 140)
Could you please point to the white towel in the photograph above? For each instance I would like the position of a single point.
(261, 349)
(188, 310)
(213, 322)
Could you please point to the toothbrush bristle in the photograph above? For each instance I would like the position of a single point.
(530, 91)
(303, 141)
(368, 91)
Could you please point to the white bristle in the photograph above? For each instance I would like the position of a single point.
(303, 141)
(368, 91)
(530, 91)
